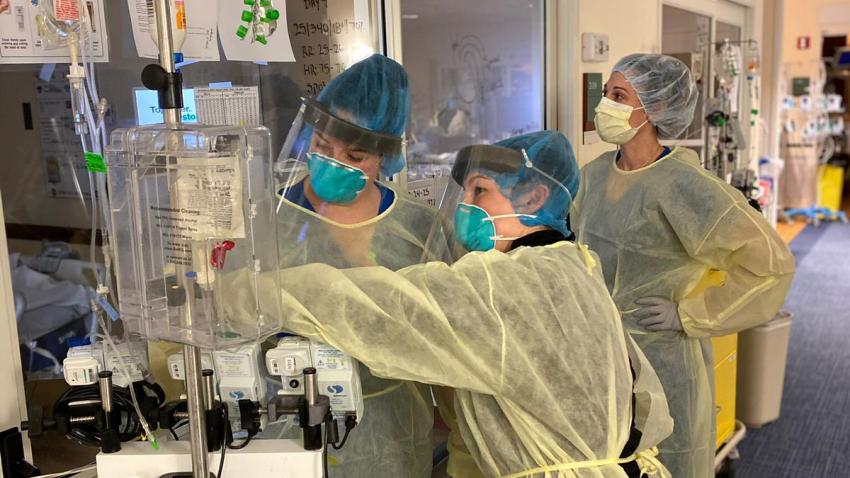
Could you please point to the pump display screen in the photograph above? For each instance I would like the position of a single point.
(147, 107)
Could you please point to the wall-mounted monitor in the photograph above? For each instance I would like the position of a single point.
(147, 106)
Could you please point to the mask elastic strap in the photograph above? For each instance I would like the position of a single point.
(501, 238)
(642, 107)
(530, 165)
(500, 216)
(620, 146)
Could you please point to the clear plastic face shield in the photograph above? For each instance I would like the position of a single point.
(495, 194)
(326, 158)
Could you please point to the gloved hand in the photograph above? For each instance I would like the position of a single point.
(658, 313)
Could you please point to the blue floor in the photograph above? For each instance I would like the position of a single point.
(812, 437)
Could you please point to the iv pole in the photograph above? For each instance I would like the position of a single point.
(171, 104)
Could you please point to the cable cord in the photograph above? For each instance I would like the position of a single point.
(72, 472)
(241, 445)
(88, 434)
(125, 370)
(350, 423)
(325, 452)
(229, 431)
(224, 437)
(221, 461)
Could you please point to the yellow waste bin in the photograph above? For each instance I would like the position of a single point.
(831, 185)
(725, 384)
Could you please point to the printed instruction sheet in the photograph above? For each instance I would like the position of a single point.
(24, 36)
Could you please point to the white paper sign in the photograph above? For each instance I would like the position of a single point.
(237, 105)
(278, 48)
(428, 191)
(201, 30)
(20, 41)
(209, 194)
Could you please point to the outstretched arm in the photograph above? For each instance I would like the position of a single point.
(405, 324)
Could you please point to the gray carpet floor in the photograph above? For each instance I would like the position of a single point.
(812, 436)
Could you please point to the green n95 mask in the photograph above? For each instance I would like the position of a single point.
(334, 181)
(612, 121)
(475, 228)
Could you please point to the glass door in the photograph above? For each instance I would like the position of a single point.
(709, 38)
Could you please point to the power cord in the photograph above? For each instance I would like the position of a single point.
(224, 438)
(325, 452)
(241, 445)
(350, 423)
(221, 461)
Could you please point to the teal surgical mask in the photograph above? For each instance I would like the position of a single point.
(475, 228)
(334, 181)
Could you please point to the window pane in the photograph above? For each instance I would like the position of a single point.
(43, 157)
(45, 160)
(725, 31)
(476, 74)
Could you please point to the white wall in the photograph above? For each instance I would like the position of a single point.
(632, 26)
(771, 30)
(812, 18)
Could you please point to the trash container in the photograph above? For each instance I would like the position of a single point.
(762, 354)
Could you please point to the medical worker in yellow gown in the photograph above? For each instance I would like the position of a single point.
(683, 253)
(547, 382)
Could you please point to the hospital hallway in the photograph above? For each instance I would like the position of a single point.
(810, 437)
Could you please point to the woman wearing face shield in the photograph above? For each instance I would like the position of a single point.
(333, 209)
(547, 382)
(684, 255)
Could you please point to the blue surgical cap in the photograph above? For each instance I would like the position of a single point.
(552, 158)
(373, 94)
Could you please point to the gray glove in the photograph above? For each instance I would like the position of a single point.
(658, 313)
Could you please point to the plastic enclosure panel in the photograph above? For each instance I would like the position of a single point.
(193, 214)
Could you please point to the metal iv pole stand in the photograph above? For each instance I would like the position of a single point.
(191, 354)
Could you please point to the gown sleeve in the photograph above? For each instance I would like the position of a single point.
(396, 323)
(752, 265)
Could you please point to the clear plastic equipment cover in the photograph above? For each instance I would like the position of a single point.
(193, 214)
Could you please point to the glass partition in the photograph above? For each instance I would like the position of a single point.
(45, 182)
(476, 75)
